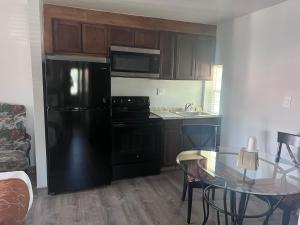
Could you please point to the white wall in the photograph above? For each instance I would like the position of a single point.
(176, 92)
(15, 61)
(35, 29)
(21, 71)
(261, 55)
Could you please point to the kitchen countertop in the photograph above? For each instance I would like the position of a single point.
(167, 115)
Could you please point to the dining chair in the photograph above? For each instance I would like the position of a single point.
(292, 202)
(200, 136)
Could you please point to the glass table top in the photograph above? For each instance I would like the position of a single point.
(220, 169)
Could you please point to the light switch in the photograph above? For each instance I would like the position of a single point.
(287, 100)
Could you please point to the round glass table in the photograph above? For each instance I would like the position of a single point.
(220, 170)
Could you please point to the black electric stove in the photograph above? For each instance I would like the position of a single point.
(136, 137)
(132, 109)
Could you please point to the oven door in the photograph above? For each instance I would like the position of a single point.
(136, 142)
(134, 62)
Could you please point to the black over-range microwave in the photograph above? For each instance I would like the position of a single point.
(134, 62)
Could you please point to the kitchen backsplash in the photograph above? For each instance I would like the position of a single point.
(162, 93)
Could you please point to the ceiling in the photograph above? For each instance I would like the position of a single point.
(199, 11)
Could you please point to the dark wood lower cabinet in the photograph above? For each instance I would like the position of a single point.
(173, 141)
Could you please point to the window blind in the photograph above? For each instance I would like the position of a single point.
(212, 92)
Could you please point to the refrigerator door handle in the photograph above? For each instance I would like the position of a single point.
(105, 101)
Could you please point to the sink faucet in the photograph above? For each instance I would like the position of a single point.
(188, 106)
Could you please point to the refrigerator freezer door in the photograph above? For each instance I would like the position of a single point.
(78, 149)
(71, 84)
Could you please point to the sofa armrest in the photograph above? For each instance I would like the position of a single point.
(23, 145)
(16, 197)
(28, 141)
(22, 176)
(28, 137)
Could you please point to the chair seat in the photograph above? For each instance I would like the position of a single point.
(11, 160)
(196, 172)
(192, 179)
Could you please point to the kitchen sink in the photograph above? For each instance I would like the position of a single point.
(188, 113)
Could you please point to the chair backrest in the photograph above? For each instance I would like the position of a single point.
(12, 128)
(288, 140)
(201, 136)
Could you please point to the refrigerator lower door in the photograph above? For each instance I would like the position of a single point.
(78, 149)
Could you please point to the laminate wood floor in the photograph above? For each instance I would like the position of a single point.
(153, 200)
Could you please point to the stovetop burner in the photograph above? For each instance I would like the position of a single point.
(131, 101)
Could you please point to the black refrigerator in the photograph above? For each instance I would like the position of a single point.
(78, 123)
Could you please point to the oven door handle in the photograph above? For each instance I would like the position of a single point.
(119, 125)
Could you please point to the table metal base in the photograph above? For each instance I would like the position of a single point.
(237, 215)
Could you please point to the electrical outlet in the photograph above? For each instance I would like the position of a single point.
(287, 100)
(160, 91)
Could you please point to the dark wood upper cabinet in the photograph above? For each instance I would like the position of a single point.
(167, 49)
(94, 39)
(146, 39)
(194, 57)
(204, 54)
(66, 36)
(184, 57)
(121, 36)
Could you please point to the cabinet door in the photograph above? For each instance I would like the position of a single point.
(172, 141)
(66, 36)
(204, 54)
(184, 57)
(146, 39)
(94, 39)
(121, 36)
(167, 48)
